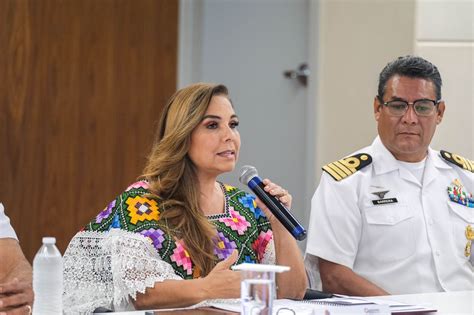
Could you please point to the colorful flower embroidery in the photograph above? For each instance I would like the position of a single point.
(260, 244)
(105, 213)
(115, 222)
(156, 236)
(141, 209)
(236, 222)
(229, 188)
(223, 246)
(181, 258)
(140, 184)
(249, 259)
(248, 202)
(236, 228)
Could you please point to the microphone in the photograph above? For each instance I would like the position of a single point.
(249, 177)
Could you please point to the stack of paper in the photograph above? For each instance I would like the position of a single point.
(334, 305)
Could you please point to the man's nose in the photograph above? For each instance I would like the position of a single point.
(410, 116)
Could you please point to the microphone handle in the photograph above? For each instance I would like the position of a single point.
(279, 211)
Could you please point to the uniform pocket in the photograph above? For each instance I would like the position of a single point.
(464, 213)
(387, 214)
(390, 232)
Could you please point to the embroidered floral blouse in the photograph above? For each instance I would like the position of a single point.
(132, 218)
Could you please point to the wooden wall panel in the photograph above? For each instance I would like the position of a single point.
(82, 84)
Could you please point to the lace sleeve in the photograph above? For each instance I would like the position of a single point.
(106, 269)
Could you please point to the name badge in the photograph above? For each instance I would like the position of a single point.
(384, 201)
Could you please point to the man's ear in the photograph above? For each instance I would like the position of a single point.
(440, 112)
(377, 108)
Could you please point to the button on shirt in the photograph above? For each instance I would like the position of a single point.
(6, 230)
(410, 246)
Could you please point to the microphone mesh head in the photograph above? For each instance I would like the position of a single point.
(247, 172)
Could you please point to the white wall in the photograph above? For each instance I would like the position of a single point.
(445, 36)
(356, 40)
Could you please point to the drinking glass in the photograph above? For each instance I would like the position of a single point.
(258, 287)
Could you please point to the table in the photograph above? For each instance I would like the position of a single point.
(197, 311)
(447, 303)
(457, 302)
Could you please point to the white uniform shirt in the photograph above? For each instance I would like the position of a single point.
(6, 230)
(414, 245)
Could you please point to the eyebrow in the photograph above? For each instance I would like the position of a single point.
(396, 98)
(218, 117)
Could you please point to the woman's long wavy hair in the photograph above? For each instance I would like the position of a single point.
(172, 174)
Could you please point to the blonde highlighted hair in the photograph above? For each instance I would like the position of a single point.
(172, 174)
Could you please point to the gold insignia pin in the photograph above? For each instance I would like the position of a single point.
(470, 237)
(457, 182)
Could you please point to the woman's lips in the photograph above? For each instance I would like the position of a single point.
(227, 153)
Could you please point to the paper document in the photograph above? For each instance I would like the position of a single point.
(335, 305)
(310, 307)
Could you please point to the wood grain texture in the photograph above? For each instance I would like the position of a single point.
(82, 84)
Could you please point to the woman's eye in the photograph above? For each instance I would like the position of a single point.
(212, 125)
(234, 124)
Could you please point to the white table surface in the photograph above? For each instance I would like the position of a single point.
(447, 303)
(455, 303)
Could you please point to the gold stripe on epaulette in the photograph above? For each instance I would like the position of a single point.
(471, 164)
(458, 160)
(466, 164)
(345, 167)
(332, 173)
(337, 170)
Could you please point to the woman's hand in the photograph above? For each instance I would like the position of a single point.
(279, 193)
(221, 282)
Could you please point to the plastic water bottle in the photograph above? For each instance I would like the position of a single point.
(48, 279)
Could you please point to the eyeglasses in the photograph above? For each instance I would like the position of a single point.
(423, 107)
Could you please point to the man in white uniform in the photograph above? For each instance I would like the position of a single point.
(397, 217)
(16, 294)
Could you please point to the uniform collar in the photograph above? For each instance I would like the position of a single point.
(438, 162)
(385, 162)
(383, 159)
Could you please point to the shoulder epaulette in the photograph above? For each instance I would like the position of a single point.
(347, 166)
(458, 160)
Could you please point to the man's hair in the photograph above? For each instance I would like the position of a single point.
(413, 67)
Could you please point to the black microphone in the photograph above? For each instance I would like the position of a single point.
(249, 177)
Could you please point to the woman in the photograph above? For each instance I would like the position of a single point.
(178, 222)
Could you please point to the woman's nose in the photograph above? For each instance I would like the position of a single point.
(228, 133)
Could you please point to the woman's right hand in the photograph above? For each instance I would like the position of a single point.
(222, 282)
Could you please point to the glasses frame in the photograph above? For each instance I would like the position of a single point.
(435, 103)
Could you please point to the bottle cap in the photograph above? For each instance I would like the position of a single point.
(49, 240)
